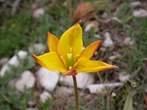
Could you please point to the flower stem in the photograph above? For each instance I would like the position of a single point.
(76, 93)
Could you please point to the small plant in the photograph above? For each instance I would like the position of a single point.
(68, 56)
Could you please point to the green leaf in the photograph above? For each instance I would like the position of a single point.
(128, 103)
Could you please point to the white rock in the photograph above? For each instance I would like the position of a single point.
(140, 13)
(122, 77)
(108, 42)
(90, 25)
(114, 57)
(37, 48)
(113, 94)
(47, 79)
(135, 4)
(14, 61)
(99, 88)
(31, 105)
(63, 91)
(103, 49)
(38, 12)
(128, 41)
(44, 96)
(26, 81)
(31, 108)
(83, 80)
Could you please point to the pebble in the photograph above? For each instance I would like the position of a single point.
(38, 12)
(108, 42)
(44, 96)
(26, 81)
(140, 13)
(135, 4)
(47, 79)
(128, 41)
(64, 91)
(14, 61)
(90, 25)
(37, 48)
(123, 78)
(31, 109)
(100, 88)
(83, 80)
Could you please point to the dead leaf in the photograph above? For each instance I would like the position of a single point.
(86, 10)
(83, 11)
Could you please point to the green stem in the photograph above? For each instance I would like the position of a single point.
(76, 93)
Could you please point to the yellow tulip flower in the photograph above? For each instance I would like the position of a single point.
(68, 56)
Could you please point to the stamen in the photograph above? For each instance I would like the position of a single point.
(70, 59)
(70, 67)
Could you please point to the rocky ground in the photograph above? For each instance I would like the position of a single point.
(121, 25)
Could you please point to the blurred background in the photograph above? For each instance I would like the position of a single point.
(120, 24)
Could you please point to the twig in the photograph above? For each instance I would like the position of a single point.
(15, 6)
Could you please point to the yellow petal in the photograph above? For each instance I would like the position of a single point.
(89, 51)
(86, 65)
(71, 41)
(52, 42)
(51, 61)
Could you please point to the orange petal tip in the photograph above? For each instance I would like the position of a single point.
(98, 43)
(34, 56)
(49, 33)
(115, 67)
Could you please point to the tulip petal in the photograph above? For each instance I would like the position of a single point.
(52, 42)
(71, 41)
(89, 51)
(86, 65)
(51, 61)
